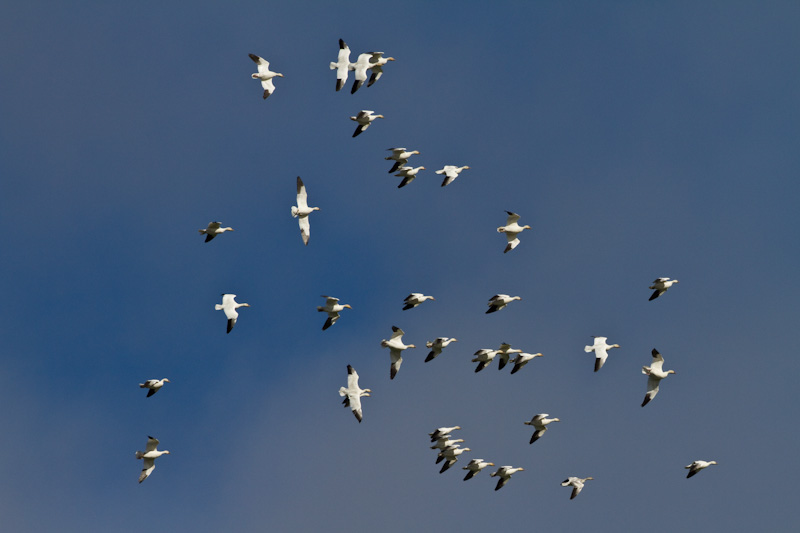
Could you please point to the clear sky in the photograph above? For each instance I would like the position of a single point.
(638, 139)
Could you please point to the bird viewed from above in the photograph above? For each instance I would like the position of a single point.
(301, 211)
(229, 306)
(213, 229)
(264, 74)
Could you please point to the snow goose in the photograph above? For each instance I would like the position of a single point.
(414, 299)
(539, 423)
(661, 285)
(576, 483)
(154, 385)
(396, 347)
(301, 211)
(377, 62)
(450, 172)
(264, 74)
(445, 442)
(230, 306)
(655, 374)
(504, 473)
(353, 393)
(213, 229)
(360, 70)
(483, 357)
(522, 359)
(149, 455)
(364, 119)
(342, 65)
(475, 466)
(499, 301)
(408, 174)
(436, 346)
(450, 456)
(400, 156)
(697, 466)
(600, 348)
(504, 354)
(333, 308)
(442, 431)
(512, 229)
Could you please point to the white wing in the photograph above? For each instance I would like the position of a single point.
(512, 217)
(152, 444)
(658, 361)
(305, 229)
(302, 195)
(147, 468)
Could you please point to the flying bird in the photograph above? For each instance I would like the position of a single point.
(504, 354)
(333, 308)
(475, 466)
(576, 483)
(364, 119)
(483, 357)
(436, 346)
(264, 74)
(230, 306)
(499, 301)
(377, 62)
(445, 442)
(450, 455)
(360, 68)
(408, 174)
(342, 65)
(697, 466)
(396, 347)
(400, 156)
(661, 285)
(149, 455)
(504, 473)
(655, 374)
(414, 299)
(522, 359)
(512, 229)
(213, 230)
(301, 211)
(353, 393)
(600, 348)
(540, 423)
(154, 385)
(450, 172)
(442, 431)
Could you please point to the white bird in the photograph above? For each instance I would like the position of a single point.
(353, 393)
(504, 354)
(377, 62)
(213, 230)
(512, 229)
(483, 357)
(450, 172)
(445, 442)
(577, 484)
(360, 67)
(475, 466)
(301, 211)
(230, 306)
(414, 299)
(522, 359)
(396, 347)
(440, 432)
(408, 174)
(149, 455)
(504, 473)
(264, 74)
(333, 308)
(656, 374)
(436, 346)
(661, 285)
(154, 385)
(499, 301)
(450, 456)
(539, 423)
(364, 119)
(400, 156)
(600, 348)
(697, 466)
(342, 65)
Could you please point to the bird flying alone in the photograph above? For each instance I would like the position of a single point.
(697, 466)
(364, 119)
(660, 286)
(499, 301)
(230, 306)
(600, 349)
(154, 385)
(213, 229)
(414, 299)
(264, 74)
(576, 483)
(352, 393)
(512, 229)
(655, 374)
(450, 172)
(540, 423)
(301, 211)
(333, 308)
(149, 455)
(396, 347)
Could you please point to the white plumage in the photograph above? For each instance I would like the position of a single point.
(352, 393)
(264, 74)
(301, 211)
(396, 347)
(655, 374)
(512, 229)
(230, 306)
(600, 349)
(149, 455)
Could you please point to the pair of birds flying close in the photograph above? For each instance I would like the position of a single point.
(373, 61)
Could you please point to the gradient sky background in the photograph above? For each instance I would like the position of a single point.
(639, 139)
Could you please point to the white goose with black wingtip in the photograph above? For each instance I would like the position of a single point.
(229, 306)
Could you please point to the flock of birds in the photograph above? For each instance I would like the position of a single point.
(449, 449)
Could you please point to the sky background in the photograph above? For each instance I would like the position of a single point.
(639, 139)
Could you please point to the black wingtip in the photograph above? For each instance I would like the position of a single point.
(430, 357)
(230, 325)
(151, 392)
(209, 237)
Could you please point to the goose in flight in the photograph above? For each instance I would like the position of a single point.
(230, 306)
(396, 347)
(441, 432)
(483, 357)
(499, 301)
(408, 174)
(400, 156)
(450, 172)
(450, 455)
(301, 211)
(377, 62)
(576, 483)
(600, 349)
(661, 285)
(333, 308)
(342, 65)
(539, 423)
(436, 346)
(522, 359)
(414, 299)
(655, 374)
(504, 473)
(445, 442)
(149, 455)
(512, 229)
(697, 466)
(504, 354)
(264, 74)
(364, 119)
(213, 229)
(154, 385)
(352, 393)
(475, 466)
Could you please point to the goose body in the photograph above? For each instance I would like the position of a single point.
(213, 229)
(400, 156)
(352, 393)
(333, 308)
(697, 466)
(499, 301)
(408, 174)
(450, 456)
(523, 359)
(660, 286)
(436, 346)
(364, 119)
(360, 68)
(154, 385)
(265, 75)
(450, 172)
(230, 306)
(396, 347)
(512, 229)
(576, 483)
(600, 349)
(301, 211)
(150, 455)
(504, 354)
(504, 473)
(342, 65)
(445, 442)
(483, 357)
(540, 423)
(655, 373)
(377, 62)
(441, 432)
(475, 466)
(414, 299)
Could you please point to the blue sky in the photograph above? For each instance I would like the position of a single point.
(638, 139)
